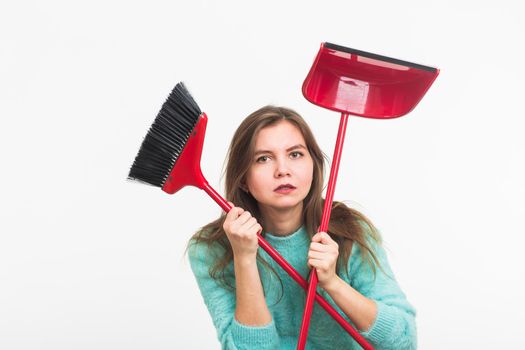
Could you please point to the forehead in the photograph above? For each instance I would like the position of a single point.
(281, 135)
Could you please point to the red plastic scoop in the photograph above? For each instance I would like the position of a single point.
(366, 85)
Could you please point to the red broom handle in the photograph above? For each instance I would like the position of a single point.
(291, 271)
(312, 287)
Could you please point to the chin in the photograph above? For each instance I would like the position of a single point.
(287, 203)
(281, 202)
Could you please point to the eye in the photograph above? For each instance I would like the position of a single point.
(262, 159)
(296, 154)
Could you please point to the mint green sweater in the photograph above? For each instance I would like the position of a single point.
(394, 327)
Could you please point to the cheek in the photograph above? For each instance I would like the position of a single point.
(249, 179)
(308, 171)
(254, 179)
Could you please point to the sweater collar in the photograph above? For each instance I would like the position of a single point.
(299, 236)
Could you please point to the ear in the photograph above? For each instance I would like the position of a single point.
(244, 187)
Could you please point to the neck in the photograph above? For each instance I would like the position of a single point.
(282, 222)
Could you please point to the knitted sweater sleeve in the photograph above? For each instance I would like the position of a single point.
(394, 326)
(221, 305)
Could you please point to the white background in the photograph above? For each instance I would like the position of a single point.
(89, 260)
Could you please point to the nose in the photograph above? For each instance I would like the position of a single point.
(282, 168)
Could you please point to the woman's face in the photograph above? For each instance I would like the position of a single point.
(280, 175)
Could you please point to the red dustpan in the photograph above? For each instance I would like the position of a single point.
(367, 85)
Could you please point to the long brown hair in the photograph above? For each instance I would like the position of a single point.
(347, 225)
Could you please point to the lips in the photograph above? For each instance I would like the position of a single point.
(285, 187)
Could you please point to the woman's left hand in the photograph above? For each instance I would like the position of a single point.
(322, 256)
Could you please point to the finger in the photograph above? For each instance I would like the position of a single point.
(325, 239)
(255, 229)
(244, 218)
(319, 264)
(312, 262)
(234, 213)
(318, 247)
(246, 231)
(232, 207)
(316, 255)
(231, 216)
(247, 226)
(320, 236)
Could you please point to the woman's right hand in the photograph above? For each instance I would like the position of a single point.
(241, 229)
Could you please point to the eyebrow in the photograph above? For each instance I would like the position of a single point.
(298, 146)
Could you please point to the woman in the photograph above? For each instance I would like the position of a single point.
(274, 177)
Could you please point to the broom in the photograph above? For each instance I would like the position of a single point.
(169, 158)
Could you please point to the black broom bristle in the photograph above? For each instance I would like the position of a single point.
(166, 138)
